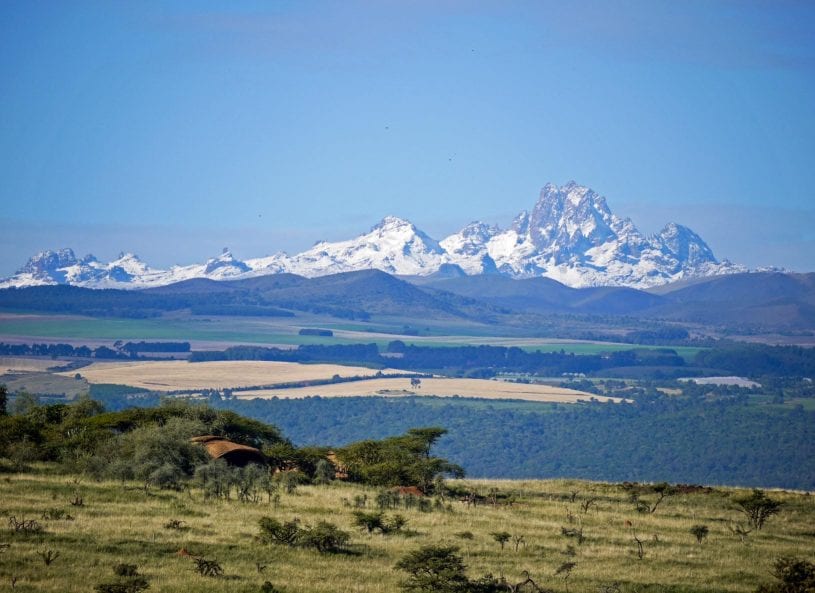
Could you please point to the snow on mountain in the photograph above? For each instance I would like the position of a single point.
(570, 235)
(394, 245)
(468, 248)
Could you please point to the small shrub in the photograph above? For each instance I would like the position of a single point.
(324, 537)
(396, 523)
(793, 575)
(24, 526)
(464, 535)
(175, 524)
(573, 532)
(274, 532)
(369, 521)
(128, 581)
(48, 556)
(126, 570)
(268, 587)
(208, 568)
(566, 569)
(56, 515)
(699, 532)
(290, 480)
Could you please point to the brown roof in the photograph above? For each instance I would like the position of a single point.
(218, 447)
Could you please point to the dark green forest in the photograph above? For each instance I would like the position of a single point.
(727, 439)
(720, 442)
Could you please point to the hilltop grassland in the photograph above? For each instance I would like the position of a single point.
(124, 523)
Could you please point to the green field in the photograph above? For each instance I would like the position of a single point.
(124, 523)
(284, 332)
(45, 384)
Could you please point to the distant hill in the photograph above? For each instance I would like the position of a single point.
(762, 300)
(354, 295)
(544, 295)
(756, 302)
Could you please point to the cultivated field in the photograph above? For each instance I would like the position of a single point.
(181, 375)
(439, 386)
(11, 364)
(121, 522)
(175, 375)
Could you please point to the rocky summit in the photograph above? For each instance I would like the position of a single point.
(570, 235)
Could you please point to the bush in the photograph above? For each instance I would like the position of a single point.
(794, 576)
(208, 568)
(128, 581)
(699, 532)
(324, 537)
(275, 532)
(369, 521)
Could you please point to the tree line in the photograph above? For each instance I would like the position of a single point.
(749, 360)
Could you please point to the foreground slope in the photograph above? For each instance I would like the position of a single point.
(123, 522)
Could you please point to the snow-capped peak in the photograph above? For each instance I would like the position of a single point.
(570, 235)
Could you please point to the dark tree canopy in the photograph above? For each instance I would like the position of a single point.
(398, 461)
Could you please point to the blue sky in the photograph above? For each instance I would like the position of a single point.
(175, 129)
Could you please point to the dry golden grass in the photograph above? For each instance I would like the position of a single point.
(182, 375)
(438, 386)
(122, 523)
(10, 364)
(178, 375)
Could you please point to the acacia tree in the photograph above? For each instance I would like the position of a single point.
(758, 507)
(398, 461)
(502, 537)
(434, 569)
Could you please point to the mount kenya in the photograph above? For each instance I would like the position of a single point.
(570, 235)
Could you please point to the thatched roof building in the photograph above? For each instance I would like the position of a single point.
(232, 453)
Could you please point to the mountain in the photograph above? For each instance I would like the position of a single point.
(755, 302)
(544, 295)
(570, 235)
(394, 245)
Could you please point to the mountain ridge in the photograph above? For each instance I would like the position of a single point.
(570, 235)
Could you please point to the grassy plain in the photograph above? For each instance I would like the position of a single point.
(120, 522)
(219, 332)
(440, 387)
(172, 375)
